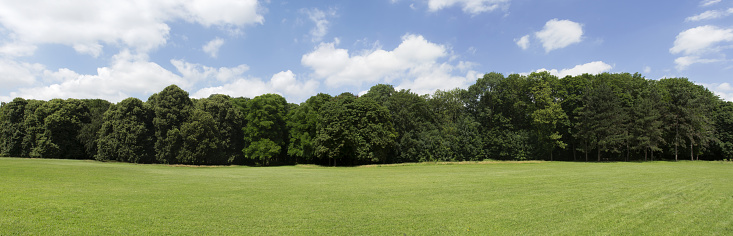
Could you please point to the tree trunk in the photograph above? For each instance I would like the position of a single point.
(599, 154)
(652, 151)
(692, 151)
(676, 142)
(574, 157)
(550, 155)
(645, 151)
(627, 151)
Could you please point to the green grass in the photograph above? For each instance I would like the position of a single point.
(60, 197)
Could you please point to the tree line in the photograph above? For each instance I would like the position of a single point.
(603, 117)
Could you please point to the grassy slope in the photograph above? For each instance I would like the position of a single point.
(85, 197)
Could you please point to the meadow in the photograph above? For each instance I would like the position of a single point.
(72, 197)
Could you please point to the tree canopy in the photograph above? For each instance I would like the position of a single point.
(613, 117)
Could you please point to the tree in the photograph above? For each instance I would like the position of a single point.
(599, 119)
(355, 131)
(228, 119)
(12, 129)
(60, 122)
(724, 127)
(201, 141)
(646, 130)
(687, 113)
(303, 124)
(571, 95)
(265, 133)
(127, 133)
(88, 133)
(172, 107)
(548, 113)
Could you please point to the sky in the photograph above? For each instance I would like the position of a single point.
(133, 48)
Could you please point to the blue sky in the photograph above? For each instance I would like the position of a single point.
(119, 49)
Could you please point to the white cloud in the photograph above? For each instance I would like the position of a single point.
(473, 7)
(558, 34)
(701, 41)
(212, 47)
(18, 73)
(138, 25)
(706, 3)
(416, 62)
(321, 22)
(129, 75)
(17, 49)
(523, 42)
(283, 83)
(647, 70)
(684, 62)
(709, 15)
(595, 67)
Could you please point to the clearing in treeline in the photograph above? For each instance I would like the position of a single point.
(60, 197)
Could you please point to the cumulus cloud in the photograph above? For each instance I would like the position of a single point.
(212, 47)
(473, 7)
(139, 25)
(523, 42)
(709, 15)
(416, 61)
(558, 34)
(283, 83)
(595, 67)
(701, 41)
(128, 75)
(320, 19)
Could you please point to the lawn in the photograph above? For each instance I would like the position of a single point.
(60, 197)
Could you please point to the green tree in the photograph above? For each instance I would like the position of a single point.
(724, 128)
(60, 122)
(200, 141)
(688, 107)
(127, 133)
(355, 131)
(646, 128)
(228, 119)
(172, 108)
(12, 128)
(599, 119)
(88, 133)
(265, 133)
(548, 113)
(303, 127)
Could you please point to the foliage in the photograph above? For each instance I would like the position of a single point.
(265, 132)
(127, 133)
(612, 116)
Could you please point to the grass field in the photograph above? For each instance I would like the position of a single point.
(59, 197)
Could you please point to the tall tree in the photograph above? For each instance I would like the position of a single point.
(600, 118)
(88, 133)
(228, 119)
(12, 128)
(60, 122)
(646, 128)
(265, 133)
(127, 133)
(172, 107)
(548, 113)
(354, 131)
(687, 113)
(303, 127)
